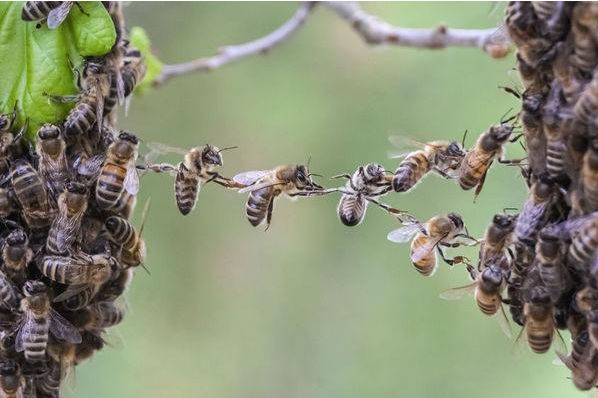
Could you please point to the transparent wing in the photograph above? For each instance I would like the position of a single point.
(120, 86)
(503, 322)
(164, 149)
(458, 292)
(562, 359)
(71, 291)
(424, 250)
(63, 329)
(25, 328)
(250, 177)
(558, 342)
(255, 187)
(405, 143)
(91, 166)
(131, 182)
(57, 15)
(403, 234)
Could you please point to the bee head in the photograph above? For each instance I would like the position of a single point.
(539, 295)
(75, 187)
(211, 155)
(548, 243)
(504, 221)
(492, 275)
(501, 132)
(456, 219)
(125, 136)
(372, 171)
(303, 179)
(93, 65)
(48, 131)
(9, 368)
(5, 122)
(17, 237)
(543, 189)
(125, 146)
(112, 224)
(33, 288)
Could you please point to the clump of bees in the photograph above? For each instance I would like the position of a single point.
(69, 250)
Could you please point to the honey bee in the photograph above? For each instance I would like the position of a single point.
(118, 173)
(556, 148)
(132, 244)
(266, 185)
(533, 215)
(7, 205)
(11, 381)
(72, 204)
(8, 140)
(367, 184)
(55, 11)
(477, 161)
(497, 238)
(514, 298)
(50, 149)
(487, 287)
(30, 190)
(539, 321)
(40, 319)
(441, 157)
(582, 362)
(99, 316)
(587, 105)
(589, 172)
(16, 254)
(197, 169)
(9, 296)
(78, 271)
(551, 265)
(428, 239)
(113, 289)
(114, 64)
(584, 242)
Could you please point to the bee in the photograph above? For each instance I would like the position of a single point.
(539, 321)
(118, 173)
(7, 205)
(556, 148)
(30, 190)
(49, 383)
(113, 289)
(487, 287)
(266, 185)
(40, 319)
(197, 169)
(367, 184)
(55, 11)
(497, 238)
(441, 157)
(99, 316)
(477, 161)
(584, 242)
(533, 216)
(551, 259)
(133, 70)
(533, 131)
(587, 105)
(582, 362)
(72, 204)
(78, 271)
(514, 298)
(11, 381)
(8, 140)
(585, 50)
(132, 244)
(50, 149)
(428, 239)
(16, 254)
(589, 172)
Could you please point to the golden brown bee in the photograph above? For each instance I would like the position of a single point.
(133, 70)
(585, 48)
(533, 215)
(488, 286)
(587, 105)
(442, 157)
(113, 289)
(540, 325)
(428, 239)
(582, 362)
(265, 186)
(197, 169)
(30, 190)
(9, 296)
(78, 271)
(497, 238)
(40, 319)
(72, 204)
(551, 264)
(11, 381)
(366, 185)
(16, 254)
(477, 161)
(50, 149)
(118, 173)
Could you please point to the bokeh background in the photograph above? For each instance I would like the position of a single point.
(311, 308)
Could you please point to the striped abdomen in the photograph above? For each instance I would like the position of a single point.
(539, 335)
(424, 260)
(59, 269)
(351, 209)
(410, 171)
(35, 340)
(587, 104)
(584, 246)
(37, 10)
(125, 205)
(108, 315)
(81, 299)
(5, 203)
(488, 303)
(122, 231)
(186, 189)
(257, 205)
(29, 188)
(474, 166)
(81, 118)
(110, 185)
(8, 295)
(49, 383)
(556, 151)
(112, 98)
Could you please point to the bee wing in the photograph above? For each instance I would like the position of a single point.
(559, 343)
(120, 86)
(63, 329)
(405, 146)
(91, 166)
(131, 182)
(71, 291)
(250, 177)
(403, 234)
(458, 292)
(255, 187)
(24, 330)
(503, 322)
(164, 149)
(424, 250)
(57, 15)
(520, 343)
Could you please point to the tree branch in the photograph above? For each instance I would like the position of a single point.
(234, 53)
(376, 32)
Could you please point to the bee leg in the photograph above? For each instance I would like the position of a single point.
(516, 138)
(454, 260)
(386, 207)
(269, 214)
(64, 99)
(81, 9)
(515, 162)
(344, 175)
(478, 189)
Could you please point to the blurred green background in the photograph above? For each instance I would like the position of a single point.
(311, 308)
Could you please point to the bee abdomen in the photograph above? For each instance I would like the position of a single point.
(36, 342)
(110, 185)
(410, 172)
(29, 187)
(36, 10)
(583, 247)
(50, 383)
(539, 342)
(80, 119)
(351, 209)
(186, 189)
(257, 206)
(426, 264)
(122, 231)
(80, 300)
(489, 307)
(555, 158)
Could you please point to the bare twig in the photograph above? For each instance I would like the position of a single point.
(230, 54)
(375, 32)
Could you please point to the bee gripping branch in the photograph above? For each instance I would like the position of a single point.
(373, 30)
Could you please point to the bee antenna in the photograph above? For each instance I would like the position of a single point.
(308, 162)
(502, 118)
(463, 139)
(227, 148)
(144, 215)
(316, 175)
(504, 210)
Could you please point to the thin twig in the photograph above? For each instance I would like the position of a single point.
(375, 32)
(234, 53)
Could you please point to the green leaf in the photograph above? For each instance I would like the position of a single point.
(141, 41)
(35, 60)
